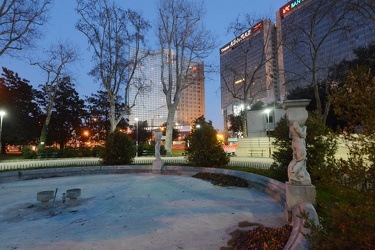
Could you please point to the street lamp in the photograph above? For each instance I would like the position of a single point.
(2, 113)
(136, 152)
(267, 111)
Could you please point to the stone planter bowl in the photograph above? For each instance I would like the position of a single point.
(45, 196)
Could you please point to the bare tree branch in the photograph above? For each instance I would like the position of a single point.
(54, 66)
(184, 42)
(112, 32)
(20, 21)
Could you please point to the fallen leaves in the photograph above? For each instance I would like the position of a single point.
(260, 238)
(222, 179)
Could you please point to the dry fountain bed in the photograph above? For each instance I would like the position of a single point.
(257, 237)
(245, 235)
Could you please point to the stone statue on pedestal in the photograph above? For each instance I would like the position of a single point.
(297, 172)
(296, 114)
(298, 189)
(158, 136)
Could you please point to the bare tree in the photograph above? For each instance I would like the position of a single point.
(19, 23)
(250, 75)
(306, 36)
(184, 42)
(54, 66)
(111, 33)
(365, 7)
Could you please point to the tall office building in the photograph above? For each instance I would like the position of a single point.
(191, 104)
(315, 30)
(150, 104)
(249, 61)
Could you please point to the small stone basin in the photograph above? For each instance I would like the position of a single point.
(73, 193)
(45, 196)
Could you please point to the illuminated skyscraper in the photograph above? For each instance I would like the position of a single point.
(327, 31)
(150, 104)
(249, 61)
(250, 54)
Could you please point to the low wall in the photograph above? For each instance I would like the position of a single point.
(272, 187)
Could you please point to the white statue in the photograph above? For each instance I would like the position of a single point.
(158, 136)
(297, 172)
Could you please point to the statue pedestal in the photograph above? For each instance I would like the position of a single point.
(157, 164)
(296, 194)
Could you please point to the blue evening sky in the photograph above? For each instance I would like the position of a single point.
(61, 27)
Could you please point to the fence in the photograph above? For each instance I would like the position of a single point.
(8, 166)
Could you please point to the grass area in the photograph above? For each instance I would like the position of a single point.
(177, 152)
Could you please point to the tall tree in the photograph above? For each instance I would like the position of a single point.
(54, 66)
(97, 120)
(246, 77)
(354, 100)
(184, 42)
(20, 126)
(309, 34)
(67, 115)
(20, 21)
(115, 35)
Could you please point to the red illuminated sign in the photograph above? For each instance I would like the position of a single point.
(258, 26)
(289, 7)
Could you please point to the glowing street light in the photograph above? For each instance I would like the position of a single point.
(2, 113)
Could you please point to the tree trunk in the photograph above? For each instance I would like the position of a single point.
(169, 130)
(112, 113)
(43, 137)
(244, 123)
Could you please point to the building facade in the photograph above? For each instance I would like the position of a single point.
(150, 104)
(191, 104)
(310, 37)
(316, 34)
(248, 69)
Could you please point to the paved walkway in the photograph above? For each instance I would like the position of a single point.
(129, 211)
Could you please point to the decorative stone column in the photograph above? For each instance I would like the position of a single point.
(299, 188)
(158, 162)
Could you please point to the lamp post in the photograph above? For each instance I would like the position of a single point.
(267, 111)
(2, 113)
(136, 152)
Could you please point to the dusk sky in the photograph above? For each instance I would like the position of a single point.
(61, 27)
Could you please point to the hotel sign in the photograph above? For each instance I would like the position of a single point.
(238, 40)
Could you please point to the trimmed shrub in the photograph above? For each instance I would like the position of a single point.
(28, 153)
(119, 149)
(203, 148)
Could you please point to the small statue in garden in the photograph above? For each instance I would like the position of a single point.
(297, 172)
(158, 135)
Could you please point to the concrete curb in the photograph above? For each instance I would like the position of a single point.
(271, 187)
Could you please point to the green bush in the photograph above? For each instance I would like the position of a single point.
(119, 149)
(321, 146)
(140, 149)
(97, 151)
(28, 153)
(49, 151)
(203, 148)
